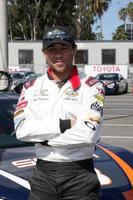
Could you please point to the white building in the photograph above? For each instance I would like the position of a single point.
(28, 55)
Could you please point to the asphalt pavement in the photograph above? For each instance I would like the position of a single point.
(117, 128)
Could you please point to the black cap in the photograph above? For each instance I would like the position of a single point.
(58, 34)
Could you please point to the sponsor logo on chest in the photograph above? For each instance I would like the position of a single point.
(42, 95)
(71, 95)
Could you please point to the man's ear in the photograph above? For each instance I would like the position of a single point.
(75, 50)
(43, 51)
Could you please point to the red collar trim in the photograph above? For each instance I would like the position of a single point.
(74, 78)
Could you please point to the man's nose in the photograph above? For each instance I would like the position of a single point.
(58, 53)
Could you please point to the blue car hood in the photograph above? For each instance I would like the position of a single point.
(113, 166)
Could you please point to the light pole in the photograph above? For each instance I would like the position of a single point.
(9, 4)
(3, 36)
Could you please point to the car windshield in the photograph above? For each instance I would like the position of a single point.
(17, 75)
(23, 75)
(108, 77)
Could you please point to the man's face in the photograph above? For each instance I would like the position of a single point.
(60, 57)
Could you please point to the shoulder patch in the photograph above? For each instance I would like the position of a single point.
(91, 81)
(28, 84)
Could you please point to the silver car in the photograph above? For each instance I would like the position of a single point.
(114, 83)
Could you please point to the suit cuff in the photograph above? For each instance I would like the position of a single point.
(64, 125)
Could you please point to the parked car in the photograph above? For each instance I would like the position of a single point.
(114, 83)
(20, 77)
(113, 165)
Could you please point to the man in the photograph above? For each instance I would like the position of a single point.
(61, 112)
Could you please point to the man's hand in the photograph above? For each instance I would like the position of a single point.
(73, 121)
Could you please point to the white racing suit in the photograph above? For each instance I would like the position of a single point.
(42, 106)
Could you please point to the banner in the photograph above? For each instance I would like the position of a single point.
(93, 70)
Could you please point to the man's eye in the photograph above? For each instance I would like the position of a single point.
(65, 48)
(49, 50)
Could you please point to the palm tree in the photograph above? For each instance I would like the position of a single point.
(130, 11)
(120, 34)
(123, 15)
(98, 7)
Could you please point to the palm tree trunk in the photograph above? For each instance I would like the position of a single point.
(101, 27)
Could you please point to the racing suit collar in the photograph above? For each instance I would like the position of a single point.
(74, 78)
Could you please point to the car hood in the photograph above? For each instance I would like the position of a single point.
(8, 96)
(15, 169)
(108, 82)
(113, 166)
(6, 115)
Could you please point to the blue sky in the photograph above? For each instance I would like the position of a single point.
(111, 19)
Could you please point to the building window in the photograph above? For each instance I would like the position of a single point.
(108, 56)
(129, 30)
(81, 57)
(25, 56)
(130, 56)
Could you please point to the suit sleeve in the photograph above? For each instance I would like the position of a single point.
(28, 126)
(86, 131)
